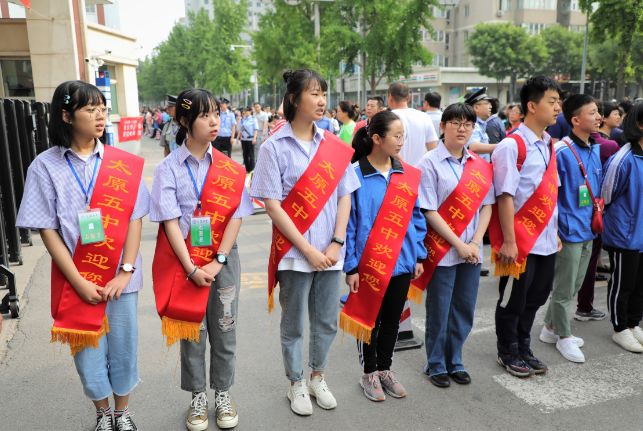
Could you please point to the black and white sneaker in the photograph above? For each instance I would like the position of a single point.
(514, 365)
(125, 422)
(585, 316)
(104, 421)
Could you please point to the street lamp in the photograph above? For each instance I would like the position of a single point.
(254, 74)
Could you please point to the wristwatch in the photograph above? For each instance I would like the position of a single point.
(127, 267)
(337, 240)
(222, 258)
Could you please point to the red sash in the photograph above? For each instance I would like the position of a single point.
(76, 322)
(380, 254)
(180, 303)
(459, 208)
(308, 197)
(529, 221)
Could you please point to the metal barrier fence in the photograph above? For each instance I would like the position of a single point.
(23, 135)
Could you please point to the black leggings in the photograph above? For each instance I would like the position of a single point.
(625, 288)
(248, 155)
(223, 144)
(378, 356)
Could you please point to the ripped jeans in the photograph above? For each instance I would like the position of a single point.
(220, 324)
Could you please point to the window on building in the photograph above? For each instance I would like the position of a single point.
(466, 35)
(446, 38)
(439, 12)
(575, 5)
(503, 5)
(17, 79)
(466, 10)
(534, 28)
(446, 61)
(537, 4)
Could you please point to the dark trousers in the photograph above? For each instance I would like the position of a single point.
(248, 155)
(223, 144)
(378, 356)
(586, 292)
(518, 304)
(625, 288)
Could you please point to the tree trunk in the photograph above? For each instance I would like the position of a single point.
(620, 81)
(512, 87)
(274, 95)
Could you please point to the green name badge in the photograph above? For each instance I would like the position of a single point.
(583, 196)
(91, 227)
(200, 232)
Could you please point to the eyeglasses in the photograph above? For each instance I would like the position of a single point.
(398, 138)
(93, 112)
(468, 125)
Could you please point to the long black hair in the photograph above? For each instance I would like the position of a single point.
(70, 96)
(297, 81)
(632, 124)
(378, 125)
(189, 105)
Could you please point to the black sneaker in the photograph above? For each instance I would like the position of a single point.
(514, 365)
(585, 316)
(533, 362)
(104, 421)
(125, 422)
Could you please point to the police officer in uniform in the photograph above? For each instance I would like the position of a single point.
(171, 128)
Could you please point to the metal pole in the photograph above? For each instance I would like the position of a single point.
(317, 31)
(584, 63)
(256, 87)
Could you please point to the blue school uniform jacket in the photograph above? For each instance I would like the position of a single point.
(622, 190)
(365, 204)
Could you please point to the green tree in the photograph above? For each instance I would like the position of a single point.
(199, 54)
(622, 21)
(387, 34)
(501, 50)
(564, 51)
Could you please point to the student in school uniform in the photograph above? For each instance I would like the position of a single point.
(304, 178)
(524, 229)
(384, 241)
(198, 197)
(456, 194)
(87, 200)
(580, 171)
(623, 234)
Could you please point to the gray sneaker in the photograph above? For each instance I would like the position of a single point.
(391, 385)
(372, 387)
(226, 410)
(585, 316)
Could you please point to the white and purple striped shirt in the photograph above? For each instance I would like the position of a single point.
(52, 199)
(282, 161)
(521, 185)
(173, 194)
(441, 173)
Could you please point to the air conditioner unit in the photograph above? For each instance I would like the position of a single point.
(499, 14)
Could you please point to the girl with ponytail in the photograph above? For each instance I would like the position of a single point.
(347, 113)
(377, 165)
(200, 221)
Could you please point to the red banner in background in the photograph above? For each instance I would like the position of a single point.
(130, 129)
(26, 3)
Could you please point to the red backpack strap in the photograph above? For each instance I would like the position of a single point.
(522, 150)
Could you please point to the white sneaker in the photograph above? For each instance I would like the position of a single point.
(626, 340)
(299, 398)
(319, 389)
(550, 337)
(570, 350)
(638, 334)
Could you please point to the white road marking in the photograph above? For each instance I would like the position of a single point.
(571, 385)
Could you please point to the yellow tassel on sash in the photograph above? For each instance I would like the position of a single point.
(507, 269)
(415, 294)
(271, 301)
(78, 339)
(355, 328)
(175, 330)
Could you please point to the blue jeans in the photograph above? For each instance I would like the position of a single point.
(317, 293)
(112, 367)
(450, 305)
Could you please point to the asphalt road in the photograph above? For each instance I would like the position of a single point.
(40, 390)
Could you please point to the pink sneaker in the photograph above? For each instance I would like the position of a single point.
(391, 385)
(372, 387)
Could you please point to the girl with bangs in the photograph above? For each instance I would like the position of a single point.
(198, 197)
(96, 268)
(304, 178)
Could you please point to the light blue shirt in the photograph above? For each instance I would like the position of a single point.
(441, 173)
(521, 185)
(248, 126)
(226, 121)
(480, 135)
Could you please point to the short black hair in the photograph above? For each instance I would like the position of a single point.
(626, 105)
(297, 81)
(70, 96)
(632, 124)
(606, 108)
(378, 99)
(363, 139)
(398, 91)
(534, 90)
(573, 104)
(495, 105)
(189, 105)
(459, 111)
(433, 98)
(351, 110)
